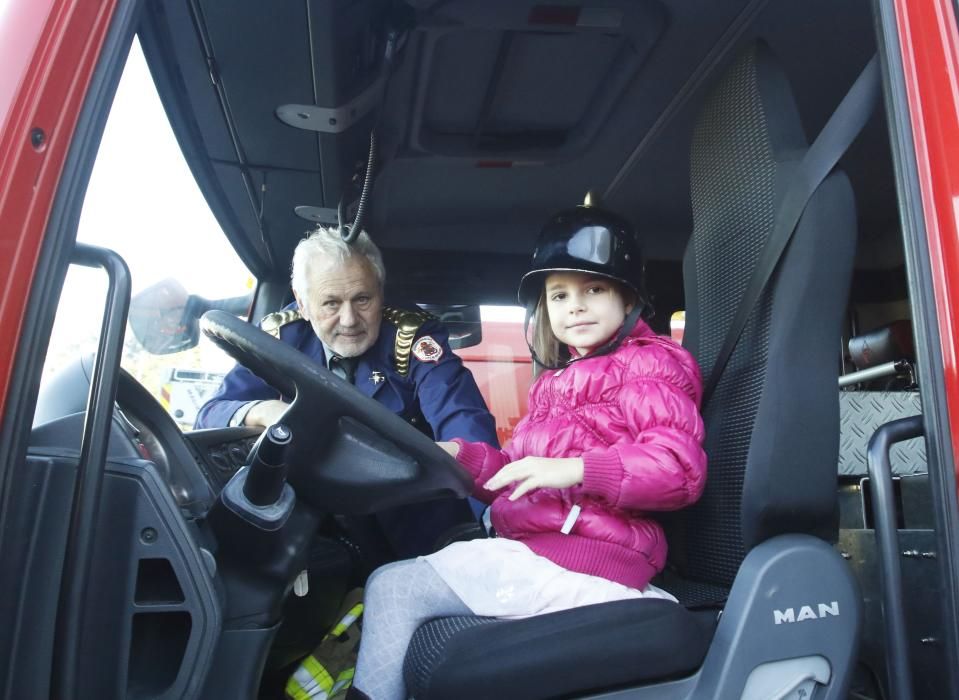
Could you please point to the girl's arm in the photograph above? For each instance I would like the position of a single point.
(525, 474)
(482, 462)
(660, 463)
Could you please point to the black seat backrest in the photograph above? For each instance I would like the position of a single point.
(772, 424)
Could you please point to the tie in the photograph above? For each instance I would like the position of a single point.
(344, 367)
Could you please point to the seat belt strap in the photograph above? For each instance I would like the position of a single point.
(835, 138)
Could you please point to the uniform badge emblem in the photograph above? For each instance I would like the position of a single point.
(427, 350)
(377, 377)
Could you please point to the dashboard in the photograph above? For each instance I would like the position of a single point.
(196, 465)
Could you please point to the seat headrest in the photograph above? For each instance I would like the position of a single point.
(885, 344)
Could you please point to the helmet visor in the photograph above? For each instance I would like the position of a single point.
(591, 244)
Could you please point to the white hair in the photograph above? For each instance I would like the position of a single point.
(326, 243)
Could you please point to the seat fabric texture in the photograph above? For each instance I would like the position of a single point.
(482, 657)
(772, 424)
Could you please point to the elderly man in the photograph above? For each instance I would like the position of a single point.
(401, 359)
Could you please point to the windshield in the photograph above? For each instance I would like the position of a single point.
(143, 203)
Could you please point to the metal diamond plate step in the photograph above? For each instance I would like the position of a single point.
(860, 413)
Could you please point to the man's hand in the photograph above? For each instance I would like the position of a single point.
(537, 473)
(450, 448)
(265, 413)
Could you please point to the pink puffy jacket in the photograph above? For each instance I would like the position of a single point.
(633, 417)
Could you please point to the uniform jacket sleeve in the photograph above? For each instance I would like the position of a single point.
(448, 396)
(238, 387)
(241, 386)
(659, 464)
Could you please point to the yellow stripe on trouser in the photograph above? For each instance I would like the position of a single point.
(344, 680)
(312, 681)
(348, 619)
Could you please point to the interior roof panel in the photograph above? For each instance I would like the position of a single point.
(231, 181)
(463, 67)
(285, 191)
(346, 57)
(494, 195)
(522, 95)
(579, 66)
(186, 65)
(518, 86)
(430, 202)
(257, 82)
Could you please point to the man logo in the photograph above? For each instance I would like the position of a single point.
(806, 612)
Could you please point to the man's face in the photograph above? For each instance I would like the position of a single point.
(344, 305)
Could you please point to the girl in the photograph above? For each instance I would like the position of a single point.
(613, 432)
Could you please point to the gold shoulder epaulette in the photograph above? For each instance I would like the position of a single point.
(407, 325)
(272, 323)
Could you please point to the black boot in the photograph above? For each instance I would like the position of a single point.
(355, 693)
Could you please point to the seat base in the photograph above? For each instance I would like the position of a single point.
(572, 651)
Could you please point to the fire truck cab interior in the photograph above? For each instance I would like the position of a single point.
(760, 148)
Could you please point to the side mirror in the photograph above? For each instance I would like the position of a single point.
(165, 318)
(462, 320)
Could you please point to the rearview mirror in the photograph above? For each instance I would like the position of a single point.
(165, 318)
(462, 320)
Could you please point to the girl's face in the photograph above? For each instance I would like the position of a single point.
(584, 310)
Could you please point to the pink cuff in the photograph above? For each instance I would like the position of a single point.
(472, 455)
(603, 475)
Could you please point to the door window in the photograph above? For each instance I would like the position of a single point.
(143, 203)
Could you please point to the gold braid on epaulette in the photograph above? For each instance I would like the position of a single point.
(407, 325)
(272, 323)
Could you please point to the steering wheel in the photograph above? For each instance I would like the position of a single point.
(349, 454)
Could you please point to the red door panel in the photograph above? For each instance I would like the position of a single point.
(48, 50)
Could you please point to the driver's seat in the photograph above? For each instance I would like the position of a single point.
(759, 534)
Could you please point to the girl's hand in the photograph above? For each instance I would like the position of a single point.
(537, 473)
(450, 448)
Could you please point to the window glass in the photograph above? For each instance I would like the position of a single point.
(677, 325)
(143, 203)
(502, 366)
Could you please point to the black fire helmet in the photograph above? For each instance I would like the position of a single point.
(593, 240)
(587, 239)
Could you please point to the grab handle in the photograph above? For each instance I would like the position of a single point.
(887, 546)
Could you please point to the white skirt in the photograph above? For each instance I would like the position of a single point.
(500, 577)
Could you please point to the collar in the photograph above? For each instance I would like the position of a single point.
(640, 329)
(373, 367)
(328, 354)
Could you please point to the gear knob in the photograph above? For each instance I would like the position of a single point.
(264, 484)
